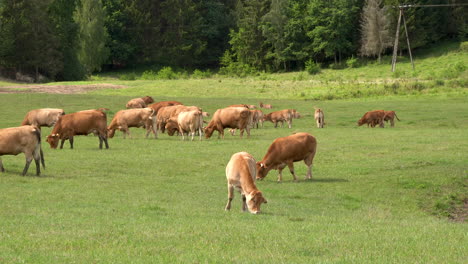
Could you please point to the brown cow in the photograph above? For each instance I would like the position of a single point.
(24, 139)
(79, 123)
(279, 116)
(319, 117)
(294, 113)
(389, 116)
(42, 117)
(284, 151)
(252, 107)
(372, 118)
(229, 117)
(266, 106)
(140, 102)
(257, 117)
(186, 122)
(124, 119)
(240, 174)
(239, 105)
(166, 112)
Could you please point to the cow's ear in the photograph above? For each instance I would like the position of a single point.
(262, 165)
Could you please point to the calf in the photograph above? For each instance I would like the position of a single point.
(266, 106)
(124, 119)
(279, 116)
(240, 174)
(79, 123)
(284, 151)
(319, 117)
(230, 117)
(186, 122)
(372, 118)
(139, 102)
(24, 139)
(389, 116)
(42, 117)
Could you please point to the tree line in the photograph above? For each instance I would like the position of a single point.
(70, 39)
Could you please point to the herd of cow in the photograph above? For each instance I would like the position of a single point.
(173, 116)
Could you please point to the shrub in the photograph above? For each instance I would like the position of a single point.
(166, 73)
(128, 76)
(352, 62)
(198, 74)
(464, 46)
(149, 75)
(336, 66)
(312, 67)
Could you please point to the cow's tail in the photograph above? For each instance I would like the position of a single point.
(38, 151)
(397, 117)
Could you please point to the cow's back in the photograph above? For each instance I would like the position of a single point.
(241, 164)
(293, 148)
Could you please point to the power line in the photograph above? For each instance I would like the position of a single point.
(435, 5)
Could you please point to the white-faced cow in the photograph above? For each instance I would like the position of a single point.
(24, 139)
(284, 151)
(42, 117)
(79, 123)
(240, 174)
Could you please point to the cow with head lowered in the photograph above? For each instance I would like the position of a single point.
(124, 119)
(284, 151)
(229, 117)
(80, 123)
(240, 174)
(24, 139)
(139, 102)
(280, 116)
(42, 117)
(372, 118)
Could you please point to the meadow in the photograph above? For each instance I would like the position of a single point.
(392, 195)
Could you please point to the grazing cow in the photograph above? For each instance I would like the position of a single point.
(372, 118)
(266, 106)
(284, 151)
(24, 139)
(79, 123)
(167, 112)
(186, 122)
(389, 116)
(257, 117)
(140, 102)
(294, 113)
(240, 174)
(279, 116)
(239, 105)
(319, 117)
(42, 117)
(229, 117)
(252, 107)
(124, 119)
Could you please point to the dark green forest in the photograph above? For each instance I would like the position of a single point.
(71, 39)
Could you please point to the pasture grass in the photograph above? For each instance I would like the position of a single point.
(377, 195)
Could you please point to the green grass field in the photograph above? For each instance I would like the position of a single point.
(392, 195)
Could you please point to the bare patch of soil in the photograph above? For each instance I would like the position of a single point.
(460, 214)
(58, 89)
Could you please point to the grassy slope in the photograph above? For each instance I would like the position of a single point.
(378, 195)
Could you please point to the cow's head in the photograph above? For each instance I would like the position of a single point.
(254, 200)
(209, 131)
(148, 99)
(171, 127)
(262, 170)
(53, 140)
(360, 122)
(110, 133)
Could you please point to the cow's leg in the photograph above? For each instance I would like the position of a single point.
(276, 124)
(308, 161)
(200, 133)
(289, 123)
(37, 160)
(193, 134)
(291, 169)
(381, 123)
(71, 142)
(100, 141)
(29, 158)
(241, 132)
(392, 123)
(280, 172)
(61, 143)
(248, 131)
(230, 196)
(244, 203)
(1, 165)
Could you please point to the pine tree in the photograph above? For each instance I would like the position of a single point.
(374, 29)
(273, 29)
(93, 36)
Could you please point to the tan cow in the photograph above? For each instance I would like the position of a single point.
(24, 139)
(124, 119)
(372, 118)
(229, 117)
(266, 106)
(240, 174)
(294, 113)
(140, 102)
(186, 122)
(284, 151)
(42, 117)
(389, 116)
(257, 117)
(239, 105)
(167, 112)
(279, 116)
(319, 117)
(79, 123)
